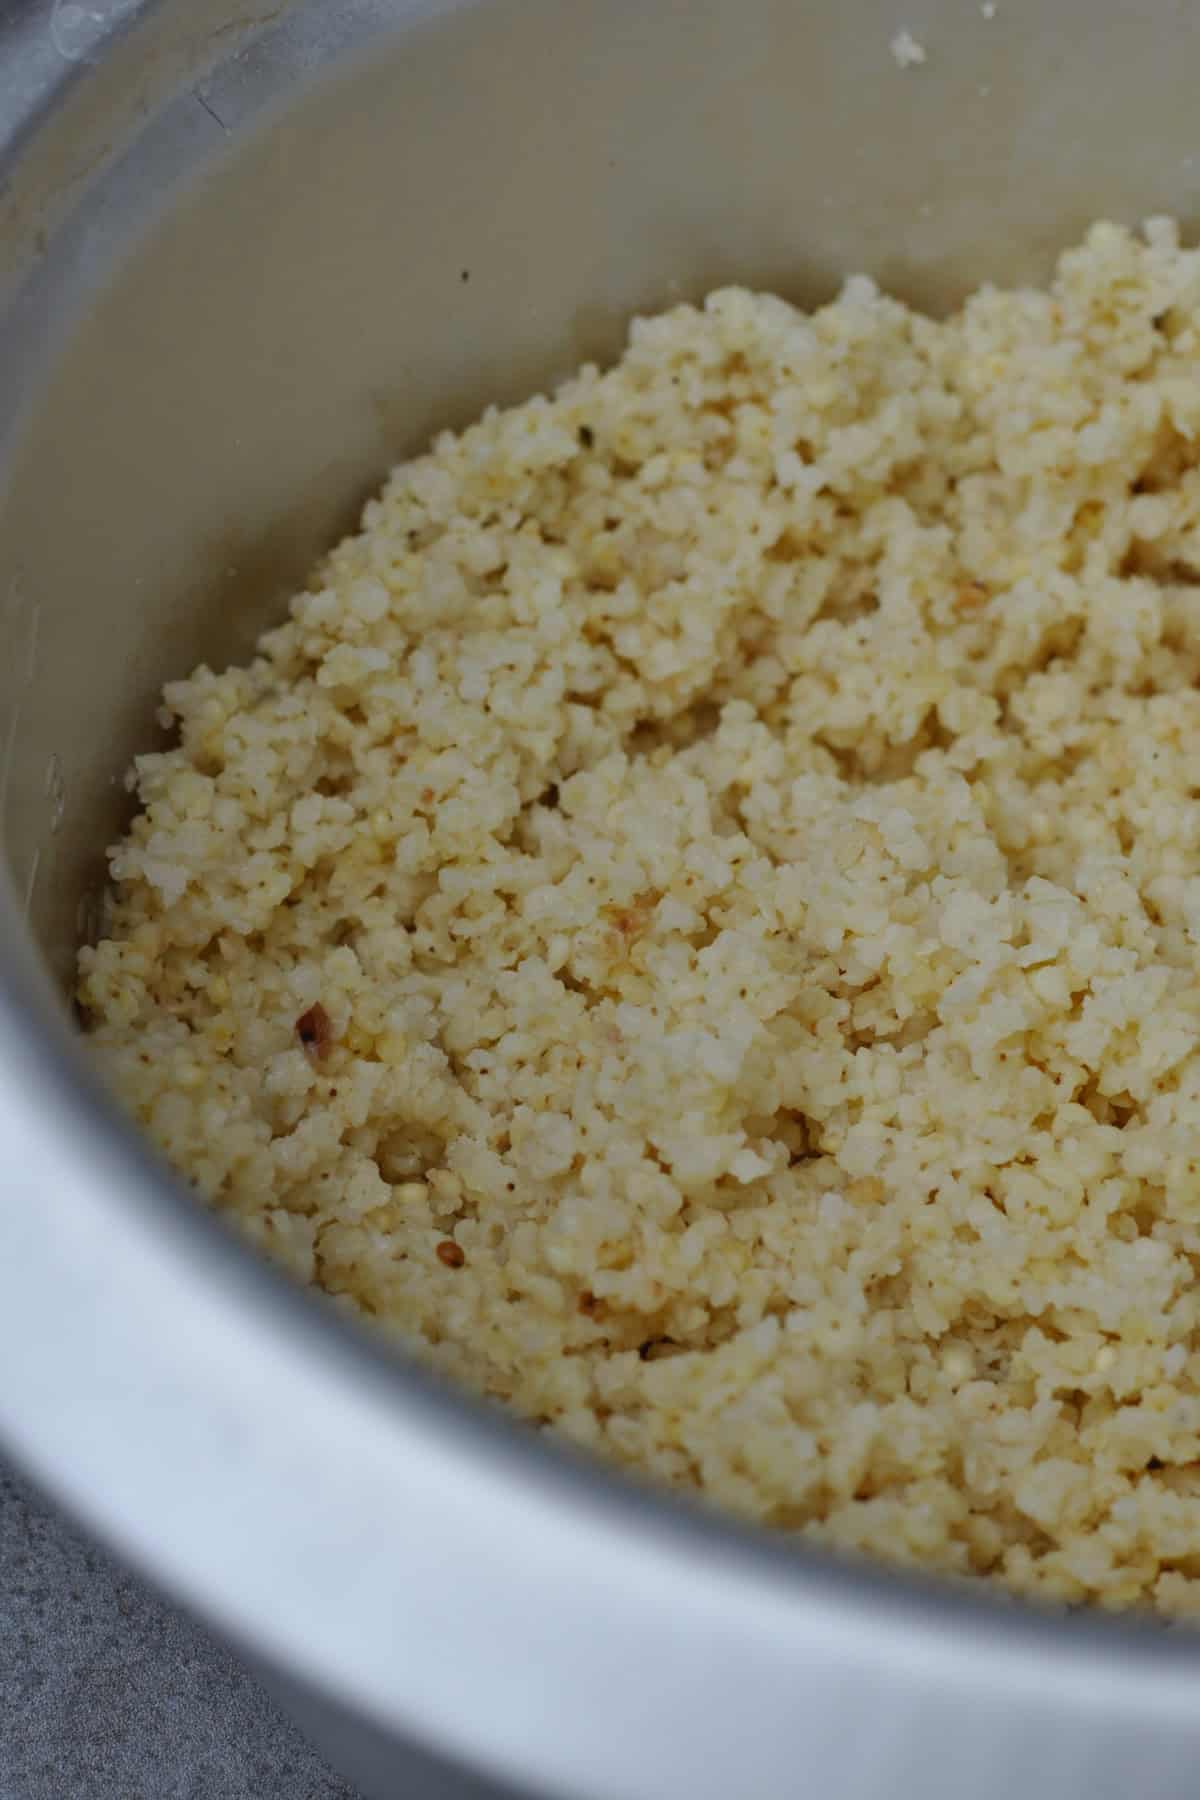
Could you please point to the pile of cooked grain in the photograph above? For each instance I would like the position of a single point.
(695, 921)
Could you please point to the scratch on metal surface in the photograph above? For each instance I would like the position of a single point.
(56, 792)
(31, 881)
(210, 110)
(10, 610)
(6, 761)
(35, 620)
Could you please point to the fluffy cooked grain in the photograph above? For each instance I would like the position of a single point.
(739, 820)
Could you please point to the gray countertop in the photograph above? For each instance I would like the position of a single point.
(107, 1693)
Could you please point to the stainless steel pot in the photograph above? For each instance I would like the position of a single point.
(251, 253)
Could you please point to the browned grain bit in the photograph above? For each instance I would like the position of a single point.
(970, 595)
(868, 1190)
(451, 1254)
(633, 919)
(315, 1031)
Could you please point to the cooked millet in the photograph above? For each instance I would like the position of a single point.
(739, 820)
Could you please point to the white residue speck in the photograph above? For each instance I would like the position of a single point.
(906, 50)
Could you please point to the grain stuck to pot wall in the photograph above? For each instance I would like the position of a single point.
(694, 922)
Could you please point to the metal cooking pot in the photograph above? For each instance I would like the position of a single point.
(251, 254)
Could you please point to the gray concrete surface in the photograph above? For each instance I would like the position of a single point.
(106, 1693)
